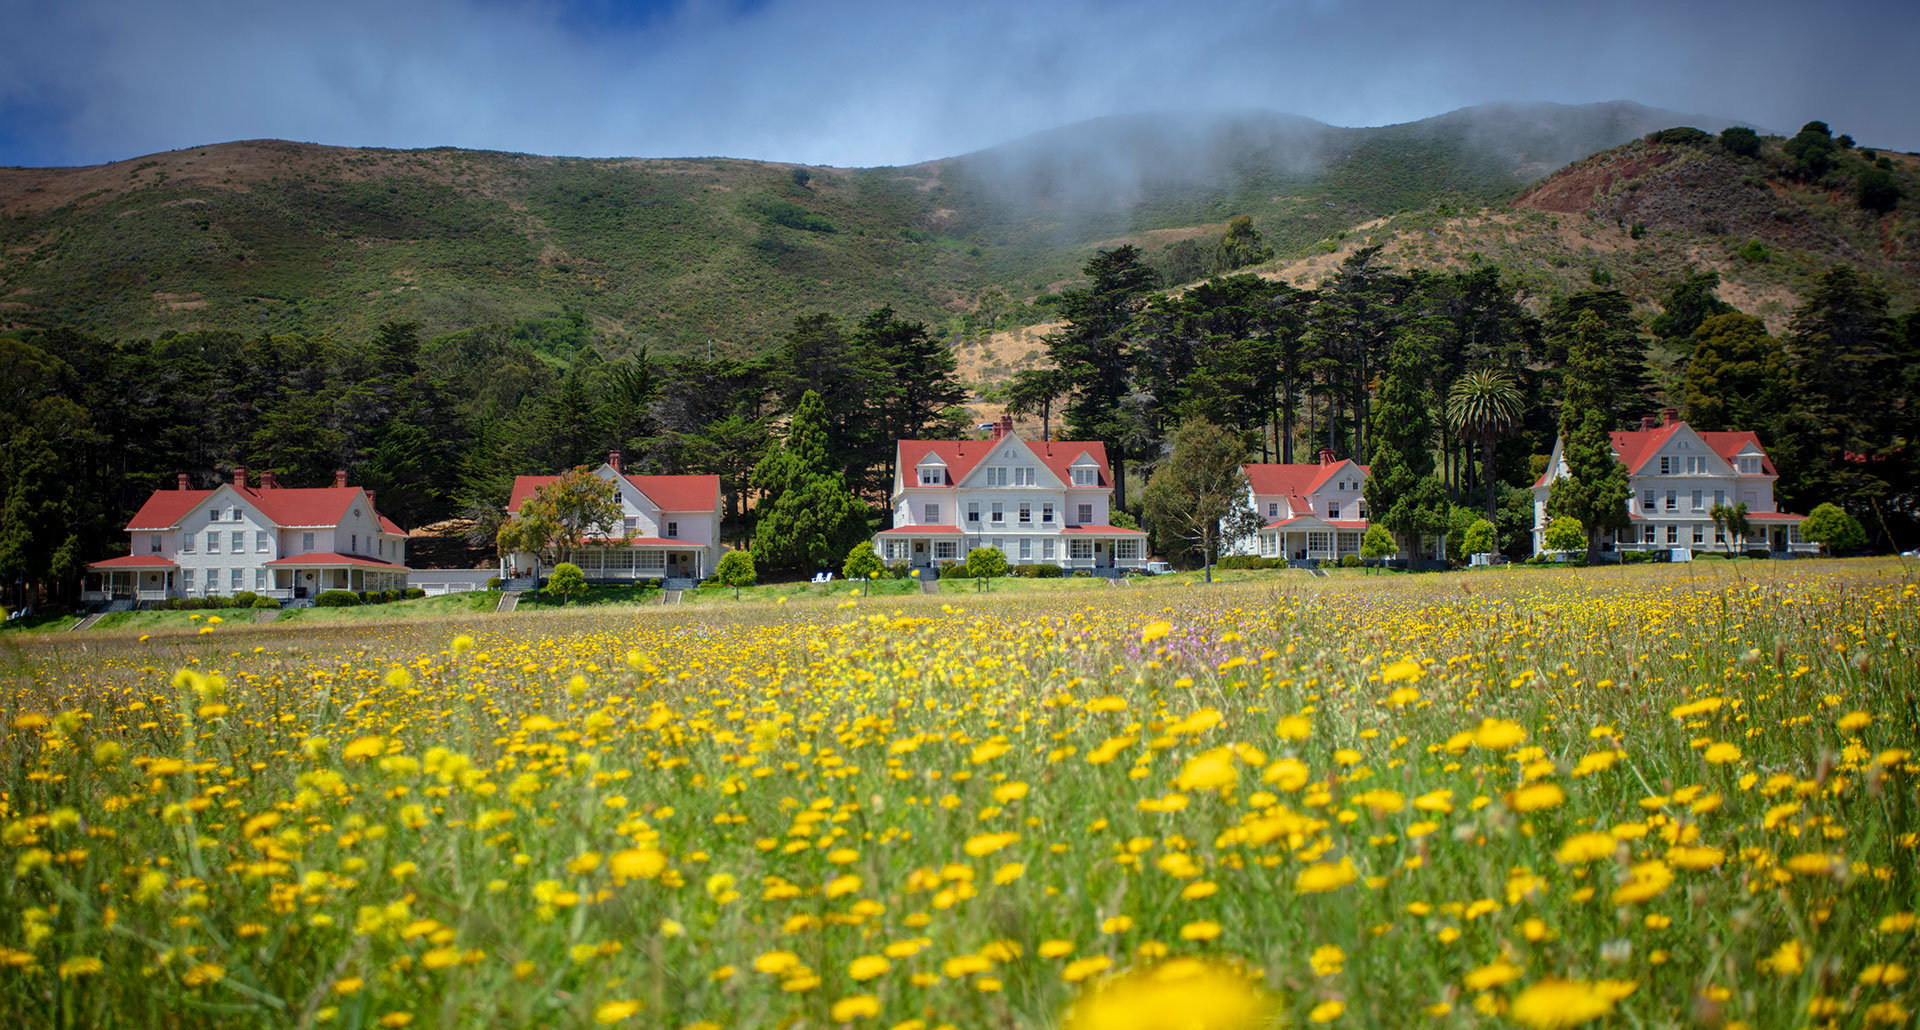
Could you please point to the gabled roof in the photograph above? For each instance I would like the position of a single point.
(1294, 481)
(284, 506)
(671, 493)
(1312, 521)
(134, 561)
(328, 559)
(963, 456)
(1637, 447)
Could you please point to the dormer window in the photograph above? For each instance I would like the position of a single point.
(931, 476)
(1085, 476)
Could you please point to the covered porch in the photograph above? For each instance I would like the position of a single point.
(919, 546)
(622, 561)
(1306, 538)
(309, 575)
(1102, 548)
(134, 577)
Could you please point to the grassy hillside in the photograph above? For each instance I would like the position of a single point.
(277, 237)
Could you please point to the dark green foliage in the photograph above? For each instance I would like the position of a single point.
(1833, 529)
(985, 564)
(775, 211)
(1402, 493)
(1738, 378)
(954, 570)
(1690, 302)
(736, 570)
(861, 562)
(1198, 496)
(1740, 140)
(1755, 252)
(566, 580)
(1593, 492)
(1251, 561)
(269, 604)
(1682, 136)
(1811, 151)
(807, 516)
(1876, 190)
(336, 599)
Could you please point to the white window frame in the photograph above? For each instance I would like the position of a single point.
(186, 543)
(673, 531)
(930, 475)
(259, 579)
(213, 541)
(1126, 550)
(1673, 532)
(236, 578)
(1333, 510)
(931, 511)
(262, 543)
(237, 541)
(186, 579)
(1026, 513)
(1273, 509)
(998, 514)
(1084, 476)
(1698, 497)
(973, 513)
(1673, 500)
(947, 549)
(1026, 548)
(1046, 549)
(153, 544)
(1651, 501)
(306, 543)
(1046, 513)
(1080, 549)
(1086, 514)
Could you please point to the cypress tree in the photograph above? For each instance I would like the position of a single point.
(1594, 490)
(807, 514)
(1402, 492)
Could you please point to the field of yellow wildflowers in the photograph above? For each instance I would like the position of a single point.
(1627, 797)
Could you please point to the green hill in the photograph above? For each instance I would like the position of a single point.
(288, 237)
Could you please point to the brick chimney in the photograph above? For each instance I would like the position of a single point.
(613, 458)
(239, 477)
(339, 478)
(370, 503)
(267, 481)
(999, 429)
(1669, 416)
(1326, 456)
(1648, 422)
(181, 483)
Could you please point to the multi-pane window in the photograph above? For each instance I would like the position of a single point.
(262, 542)
(1719, 535)
(186, 578)
(1699, 534)
(1273, 509)
(930, 477)
(213, 542)
(973, 512)
(353, 544)
(186, 543)
(306, 541)
(1673, 500)
(1648, 502)
(1652, 535)
(673, 531)
(1697, 495)
(1086, 513)
(1080, 549)
(946, 549)
(1719, 498)
(1084, 477)
(1666, 465)
(238, 541)
(153, 543)
(630, 526)
(931, 514)
(1333, 511)
(234, 580)
(1026, 548)
(1026, 513)
(1126, 550)
(999, 515)
(1046, 548)
(1046, 513)
(259, 579)
(1673, 534)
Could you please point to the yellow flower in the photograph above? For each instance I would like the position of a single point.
(636, 864)
(611, 1012)
(1498, 734)
(1054, 948)
(866, 967)
(1325, 876)
(348, 985)
(394, 1020)
(859, 1006)
(1200, 930)
(1552, 1004)
(1209, 770)
(775, 963)
(1787, 960)
(1327, 959)
(1721, 754)
(1492, 975)
(1187, 993)
(1080, 969)
(1536, 796)
(1153, 631)
(1294, 727)
(1403, 670)
(1645, 880)
(1582, 848)
(1327, 1011)
(988, 843)
(1883, 974)
(364, 747)
(86, 965)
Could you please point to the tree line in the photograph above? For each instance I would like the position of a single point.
(1448, 383)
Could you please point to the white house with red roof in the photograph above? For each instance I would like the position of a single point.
(1036, 501)
(1307, 512)
(1677, 476)
(283, 542)
(670, 528)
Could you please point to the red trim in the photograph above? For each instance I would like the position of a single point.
(134, 561)
(320, 559)
(920, 531)
(1101, 531)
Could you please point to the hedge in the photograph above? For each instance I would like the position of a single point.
(336, 599)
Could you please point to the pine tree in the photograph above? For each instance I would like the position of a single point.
(1594, 491)
(1402, 492)
(807, 514)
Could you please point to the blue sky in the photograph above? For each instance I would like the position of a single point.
(863, 82)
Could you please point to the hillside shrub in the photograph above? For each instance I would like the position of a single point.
(336, 599)
(1249, 561)
(244, 598)
(1738, 139)
(415, 593)
(1351, 561)
(494, 582)
(265, 603)
(955, 570)
(1684, 135)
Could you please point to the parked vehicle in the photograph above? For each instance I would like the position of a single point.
(1158, 568)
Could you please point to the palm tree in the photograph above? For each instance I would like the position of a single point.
(1485, 405)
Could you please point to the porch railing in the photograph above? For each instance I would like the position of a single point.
(156, 594)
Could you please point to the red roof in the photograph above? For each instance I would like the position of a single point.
(1335, 523)
(919, 530)
(1637, 447)
(1295, 482)
(962, 456)
(283, 506)
(641, 541)
(1774, 516)
(133, 561)
(671, 493)
(1101, 530)
(329, 559)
